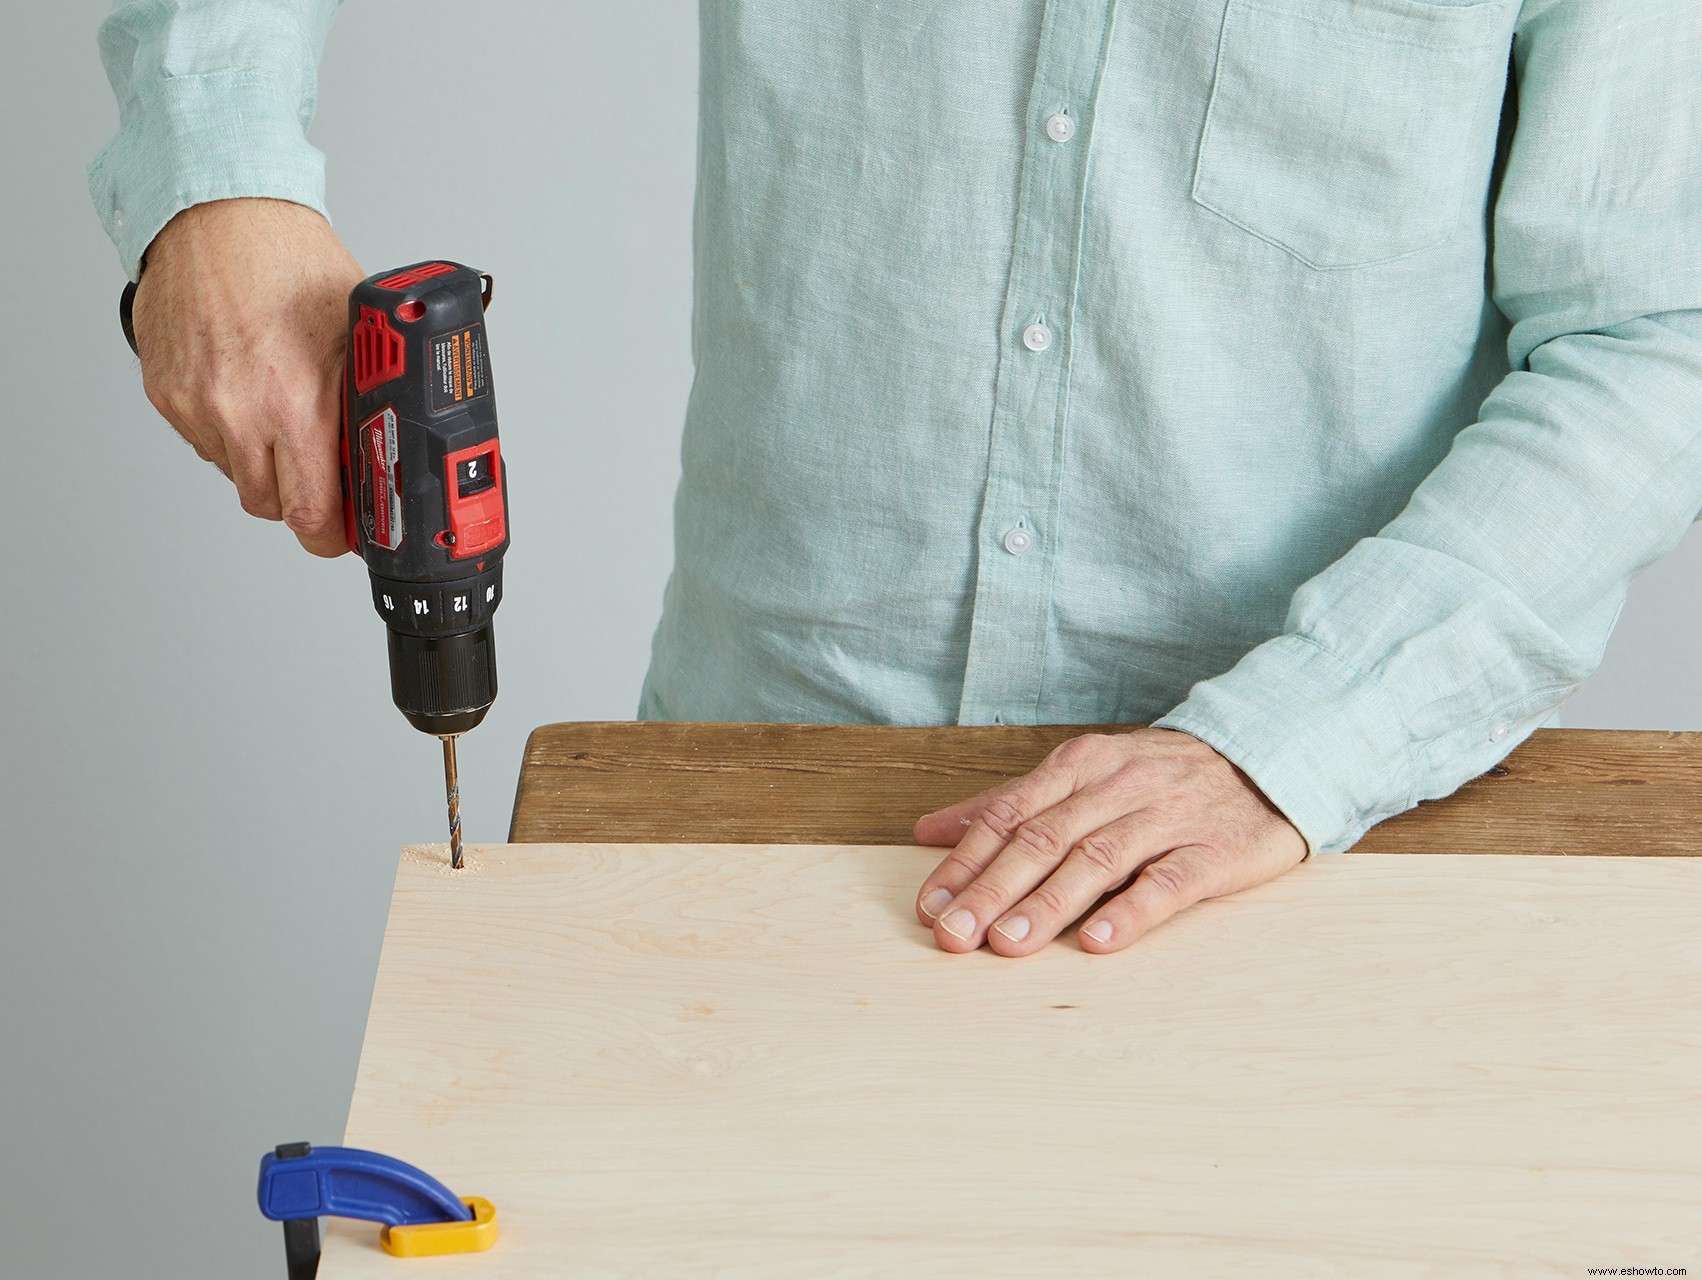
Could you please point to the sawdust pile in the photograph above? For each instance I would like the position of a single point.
(435, 857)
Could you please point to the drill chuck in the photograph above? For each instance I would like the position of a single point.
(443, 684)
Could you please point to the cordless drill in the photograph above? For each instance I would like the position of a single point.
(424, 495)
(425, 499)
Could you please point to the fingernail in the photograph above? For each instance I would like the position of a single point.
(1013, 927)
(959, 923)
(966, 822)
(934, 901)
(1099, 931)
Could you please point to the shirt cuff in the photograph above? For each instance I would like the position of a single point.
(1322, 739)
(195, 138)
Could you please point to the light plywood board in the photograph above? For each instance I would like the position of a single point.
(672, 1061)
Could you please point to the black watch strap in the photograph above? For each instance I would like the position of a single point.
(126, 303)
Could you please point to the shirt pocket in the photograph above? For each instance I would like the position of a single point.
(1345, 134)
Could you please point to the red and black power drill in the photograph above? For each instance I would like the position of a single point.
(425, 500)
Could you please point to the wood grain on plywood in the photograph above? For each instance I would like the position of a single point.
(682, 1061)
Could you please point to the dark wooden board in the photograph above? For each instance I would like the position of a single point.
(1564, 791)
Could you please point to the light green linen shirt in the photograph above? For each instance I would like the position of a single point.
(1308, 375)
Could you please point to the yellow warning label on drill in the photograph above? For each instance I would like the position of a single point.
(458, 369)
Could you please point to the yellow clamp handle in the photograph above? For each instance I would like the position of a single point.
(430, 1239)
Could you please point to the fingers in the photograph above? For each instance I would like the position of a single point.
(1102, 861)
(254, 472)
(1070, 760)
(999, 814)
(1186, 875)
(1179, 879)
(283, 462)
(310, 494)
(1159, 812)
(1091, 840)
(1086, 775)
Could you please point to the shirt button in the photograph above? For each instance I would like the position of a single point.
(1499, 732)
(1037, 337)
(118, 219)
(1060, 128)
(1018, 541)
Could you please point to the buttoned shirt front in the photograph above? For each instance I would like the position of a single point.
(1310, 377)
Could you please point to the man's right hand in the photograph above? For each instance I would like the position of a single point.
(241, 320)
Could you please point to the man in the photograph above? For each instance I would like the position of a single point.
(1307, 379)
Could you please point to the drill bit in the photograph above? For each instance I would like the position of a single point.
(452, 784)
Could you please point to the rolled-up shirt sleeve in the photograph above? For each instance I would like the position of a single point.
(1432, 649)
(214, 100)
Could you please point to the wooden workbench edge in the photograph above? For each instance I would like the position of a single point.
(1564, 791)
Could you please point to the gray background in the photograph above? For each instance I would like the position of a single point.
(205, 784)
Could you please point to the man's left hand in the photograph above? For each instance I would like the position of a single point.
(1156, 807)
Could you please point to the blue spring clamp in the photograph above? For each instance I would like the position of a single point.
(299, 1184)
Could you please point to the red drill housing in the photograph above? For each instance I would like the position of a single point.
(425, 496)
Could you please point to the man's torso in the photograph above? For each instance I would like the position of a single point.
(1256, 245)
